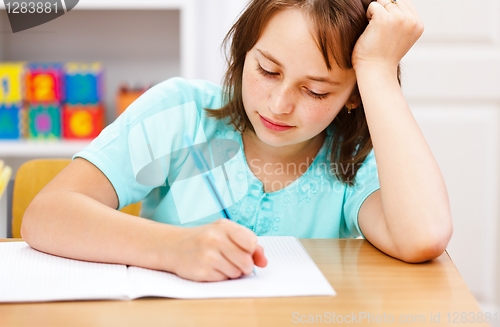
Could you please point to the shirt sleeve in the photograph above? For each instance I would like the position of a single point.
(134, 151)
(110, 152)
(366, 183)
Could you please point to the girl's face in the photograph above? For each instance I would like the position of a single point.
(289, 94)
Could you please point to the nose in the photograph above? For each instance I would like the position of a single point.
(282, 99)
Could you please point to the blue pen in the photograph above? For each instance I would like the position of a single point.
(202, 165)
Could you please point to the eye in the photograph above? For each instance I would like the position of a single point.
(264, 72)
(317, 95)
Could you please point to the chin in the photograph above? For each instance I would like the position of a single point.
(277, 140)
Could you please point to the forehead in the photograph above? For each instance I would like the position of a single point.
(290, 36)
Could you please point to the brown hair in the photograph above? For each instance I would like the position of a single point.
(338, 25)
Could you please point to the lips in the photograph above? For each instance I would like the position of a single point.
(275, 126)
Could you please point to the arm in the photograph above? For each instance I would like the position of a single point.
(409, 218)
(74, 216)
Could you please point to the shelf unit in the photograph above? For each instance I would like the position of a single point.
(187, 23)
(139, 42)
(29, 149)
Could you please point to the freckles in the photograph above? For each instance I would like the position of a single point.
(314, 113)
(254, 84)
(246, 85)
(254, 96)
(321, 113)
(257, 88)
(320, 110)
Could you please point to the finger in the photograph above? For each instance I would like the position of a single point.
(224, 266)
(404, 7)
(243, 237)
(374, 9)
(411, 10)
(212, 276)
(409, 14)
(388, 5)
(238, 257)
(259, 258)
(204, 270)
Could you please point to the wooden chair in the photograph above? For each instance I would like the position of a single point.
(5, 173)
(31, 177)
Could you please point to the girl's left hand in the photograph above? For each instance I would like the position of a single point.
(392, 30)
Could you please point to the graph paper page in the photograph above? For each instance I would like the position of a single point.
(290, 272)
(27, 275)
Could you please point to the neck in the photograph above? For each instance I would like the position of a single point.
(304, 151)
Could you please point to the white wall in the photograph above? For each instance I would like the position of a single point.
(214, 18)
(452, 81)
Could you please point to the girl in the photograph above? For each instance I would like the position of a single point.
(310, 98)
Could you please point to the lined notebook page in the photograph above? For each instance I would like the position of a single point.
(290, 272)
(27, 275)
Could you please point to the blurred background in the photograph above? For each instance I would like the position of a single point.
(451, 79)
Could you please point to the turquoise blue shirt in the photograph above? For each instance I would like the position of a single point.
(145, 156)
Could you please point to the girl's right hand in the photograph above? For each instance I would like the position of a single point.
(392, 30)
(217, 251)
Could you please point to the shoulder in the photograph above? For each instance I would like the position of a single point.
(188, 90)
(174, 93)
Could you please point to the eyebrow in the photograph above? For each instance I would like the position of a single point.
(313, 78)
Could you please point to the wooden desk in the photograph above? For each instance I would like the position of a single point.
(372, 289)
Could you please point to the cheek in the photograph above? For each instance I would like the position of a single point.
(326, 112)
(322, 115)
(253, 90)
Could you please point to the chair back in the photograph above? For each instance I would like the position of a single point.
(5, 173)
(30, 178)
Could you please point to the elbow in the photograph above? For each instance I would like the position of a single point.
(26, 225)
(28, 230)
(424, 252)
(25, 230)
(429, 246)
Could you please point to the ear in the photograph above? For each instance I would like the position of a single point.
(354, 99)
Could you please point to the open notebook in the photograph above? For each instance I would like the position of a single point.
(27, 275)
